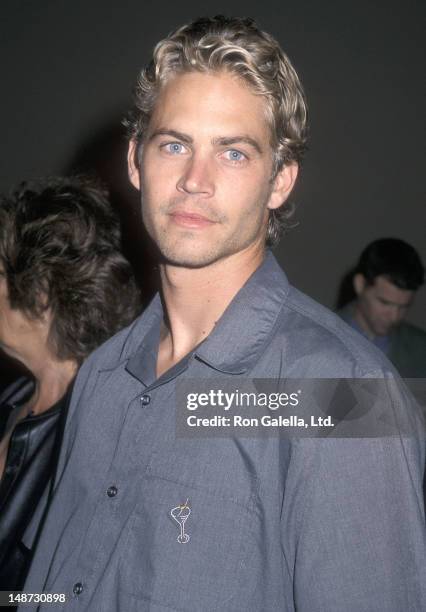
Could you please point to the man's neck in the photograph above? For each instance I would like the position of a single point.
(196, 298)
(362, 323)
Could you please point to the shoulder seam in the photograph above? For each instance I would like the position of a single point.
(335, 332)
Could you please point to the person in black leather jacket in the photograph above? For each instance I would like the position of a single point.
(65, 287)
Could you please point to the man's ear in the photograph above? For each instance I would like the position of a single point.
(133, 164)
(359, 283)
(283, 185)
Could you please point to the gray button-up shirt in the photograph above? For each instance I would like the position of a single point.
(334, 525)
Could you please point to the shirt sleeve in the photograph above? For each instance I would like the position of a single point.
(353, 525)
(39, 567)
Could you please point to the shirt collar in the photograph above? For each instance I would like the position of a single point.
(242, 332)
(143, 354)
(240, 335)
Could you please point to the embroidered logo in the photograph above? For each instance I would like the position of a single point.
(180, 515)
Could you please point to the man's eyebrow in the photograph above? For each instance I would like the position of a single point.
(173, 133)
(390, 303)
(224, 141)
(227, 141)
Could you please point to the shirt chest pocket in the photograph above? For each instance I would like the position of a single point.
(192, 539)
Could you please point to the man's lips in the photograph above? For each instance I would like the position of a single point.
(190, 219)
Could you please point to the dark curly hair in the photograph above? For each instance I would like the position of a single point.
(60, 249)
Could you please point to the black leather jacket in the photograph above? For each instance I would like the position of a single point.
(30, 465)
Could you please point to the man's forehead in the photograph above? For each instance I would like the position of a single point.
(224, 98)
(386, 290)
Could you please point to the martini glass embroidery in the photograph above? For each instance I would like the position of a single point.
(180, 515)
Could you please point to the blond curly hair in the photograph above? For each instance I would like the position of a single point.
(237, 45)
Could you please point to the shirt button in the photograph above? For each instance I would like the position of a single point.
(145, 399)
(112, 491)
(77, 588)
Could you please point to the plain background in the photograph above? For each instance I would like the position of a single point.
(68, 68)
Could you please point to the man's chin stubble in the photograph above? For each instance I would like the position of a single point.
(193, 258)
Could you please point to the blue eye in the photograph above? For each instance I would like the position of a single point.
(234, 155)
(175, 148)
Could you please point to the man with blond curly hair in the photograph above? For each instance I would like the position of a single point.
(145, 517)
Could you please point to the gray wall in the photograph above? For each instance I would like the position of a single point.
(68, 68)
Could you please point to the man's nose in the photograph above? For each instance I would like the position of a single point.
(197, 177)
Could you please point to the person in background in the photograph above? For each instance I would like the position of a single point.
(385, 281)
(65, 287)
